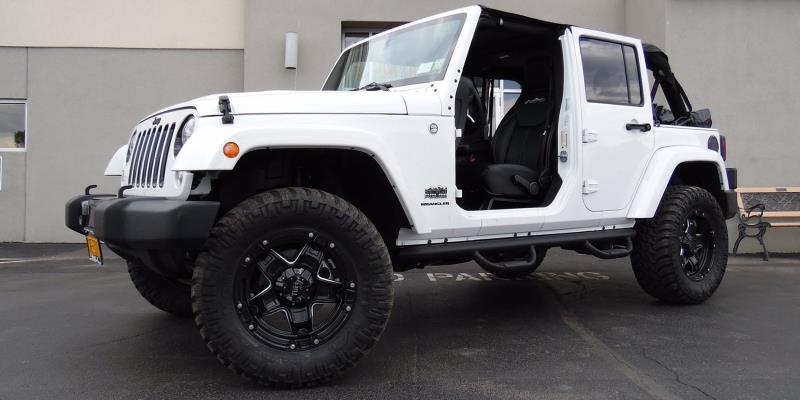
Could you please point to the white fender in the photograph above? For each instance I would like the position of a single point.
(117, 163)
(388, 139)
(659, 171)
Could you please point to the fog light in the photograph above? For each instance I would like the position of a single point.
(231, 150)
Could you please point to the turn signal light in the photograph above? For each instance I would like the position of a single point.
(231, 150)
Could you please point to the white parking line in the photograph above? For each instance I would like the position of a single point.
(485, 276)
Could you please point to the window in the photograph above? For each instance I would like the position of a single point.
(506, 93)
(611, 72)
(414, 54)
(353, 36)
(356, 31)
(12, 125)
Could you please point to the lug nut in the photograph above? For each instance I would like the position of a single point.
(264, 242)
(352, 284)
(292, 346)
(239, 305)
(311, 234)
(247, 259)
(316, 341)
(331, 245)
(348, 308)
(251, 327)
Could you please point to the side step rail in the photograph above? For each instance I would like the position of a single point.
(615, 251)
(439, 252)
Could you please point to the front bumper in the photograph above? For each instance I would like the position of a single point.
(142, 222)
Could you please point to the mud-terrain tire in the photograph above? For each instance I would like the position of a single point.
(274, 339)
(516, 272)
(166, 294)
(680, 254)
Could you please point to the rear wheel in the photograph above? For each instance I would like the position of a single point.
(680, 254)
(170, 295)
(293, 288)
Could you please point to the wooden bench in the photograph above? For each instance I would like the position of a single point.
(764, 207)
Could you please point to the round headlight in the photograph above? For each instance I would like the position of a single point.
(186, 131)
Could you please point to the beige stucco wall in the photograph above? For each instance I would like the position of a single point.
(196, 24)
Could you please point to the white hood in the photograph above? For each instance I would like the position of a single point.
(302, 102)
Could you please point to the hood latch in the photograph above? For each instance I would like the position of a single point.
(225, 109)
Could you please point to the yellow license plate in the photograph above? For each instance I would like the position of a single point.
(95, 252)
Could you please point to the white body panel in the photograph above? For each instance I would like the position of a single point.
(395, 128)
(116, 165)
(614, 161)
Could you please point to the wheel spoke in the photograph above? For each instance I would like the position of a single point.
(290, 263)
(300, 319)
(325, 273)
(270, 307)
(263, 291)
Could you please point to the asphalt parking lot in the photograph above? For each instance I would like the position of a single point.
(579, 328)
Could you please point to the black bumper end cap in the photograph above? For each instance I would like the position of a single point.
(144, 222)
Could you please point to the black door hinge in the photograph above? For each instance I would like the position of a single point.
(225, 109)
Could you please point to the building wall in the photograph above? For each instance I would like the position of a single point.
(319, 25)
(13, 85)
(193, 24)
(82, 105)
(739, 58)
(91, 69)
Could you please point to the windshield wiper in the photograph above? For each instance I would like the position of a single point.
(374, 86)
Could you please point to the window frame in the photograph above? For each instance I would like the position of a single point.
(17, 149)
(500, 91)
(627, 82)
(370, 31)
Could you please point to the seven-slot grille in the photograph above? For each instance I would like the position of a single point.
(149, 154)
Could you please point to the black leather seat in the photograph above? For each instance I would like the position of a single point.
(520, 138)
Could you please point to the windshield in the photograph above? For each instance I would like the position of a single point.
(417, 54)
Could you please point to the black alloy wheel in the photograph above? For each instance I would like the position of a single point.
(292, 288)
(697, 246)
(680, 254)
(294, 292)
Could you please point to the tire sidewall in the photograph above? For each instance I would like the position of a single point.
(656, 258)
(214, 290)
(700, 290)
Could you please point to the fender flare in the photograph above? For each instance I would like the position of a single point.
(117, 163)
(655, 181)
(204, 151)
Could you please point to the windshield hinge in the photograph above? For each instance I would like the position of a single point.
(590, 186)
(225, 109)
(589, 136)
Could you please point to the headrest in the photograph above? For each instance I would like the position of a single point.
(536, 75)
(532, 108)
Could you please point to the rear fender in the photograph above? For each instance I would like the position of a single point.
(659, 172)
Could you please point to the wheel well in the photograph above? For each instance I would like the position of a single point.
(349, 174)
(705, 175)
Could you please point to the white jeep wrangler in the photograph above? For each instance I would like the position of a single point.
(277, 218)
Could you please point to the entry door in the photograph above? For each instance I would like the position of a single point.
(617, 117)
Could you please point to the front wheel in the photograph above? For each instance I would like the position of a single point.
(294, 287)
(170, 295)
(680, 254)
